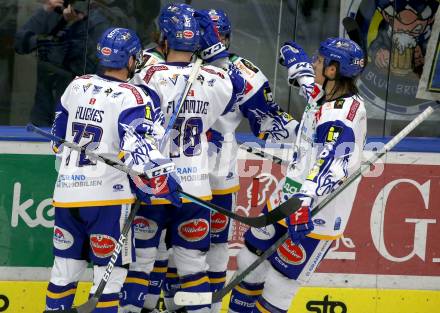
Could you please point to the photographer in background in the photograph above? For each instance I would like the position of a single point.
(50, 31)
(61, 32)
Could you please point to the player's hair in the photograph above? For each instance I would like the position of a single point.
(347, 84)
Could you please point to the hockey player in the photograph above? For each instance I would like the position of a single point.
(327, 150)
(154, 56)
(270, 124)
(188, 225)
(266, 119)
(91, 199)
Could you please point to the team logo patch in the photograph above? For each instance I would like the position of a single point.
(102, 245)
(263, 233)
(62, 239)
(118, 187)
(353, 109)
(249, 65)
(188, 34)
(334, 133)
(291, 253)
(339, 103)
(194, 230)
(144, 229)
(134, 91)
(219, 222)
(153, 69)
(106, 51)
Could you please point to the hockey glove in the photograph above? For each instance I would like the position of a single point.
(215, 140)
(300, 224)
(211, 47)
(296, 60)
(165, 186)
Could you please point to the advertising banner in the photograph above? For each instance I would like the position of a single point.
(396, 35)
(387, 261)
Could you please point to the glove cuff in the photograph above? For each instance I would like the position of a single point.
(209, 53)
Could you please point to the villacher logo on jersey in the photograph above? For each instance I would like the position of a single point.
(194, 230)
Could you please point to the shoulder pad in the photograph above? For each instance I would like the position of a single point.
(136, 93)
(153, 69)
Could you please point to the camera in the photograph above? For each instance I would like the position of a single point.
(66, 3)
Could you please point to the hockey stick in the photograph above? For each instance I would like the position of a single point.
(192, 76)
(273, 216)
(261, 153)
(91, 304)
(158, 171)
(200, 298)
(280, 212)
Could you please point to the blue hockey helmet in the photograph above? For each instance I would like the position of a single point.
(180, 29)
(346, 52)
(116, 46)
(173, 8)
(221, 20)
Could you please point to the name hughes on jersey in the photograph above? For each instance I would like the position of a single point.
(89, 114)
(190, 106)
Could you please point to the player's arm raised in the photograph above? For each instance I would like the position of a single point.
(139, 129)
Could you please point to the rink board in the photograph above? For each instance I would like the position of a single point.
(28, 297)
(390, 245)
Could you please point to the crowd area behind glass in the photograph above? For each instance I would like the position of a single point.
(46, 43)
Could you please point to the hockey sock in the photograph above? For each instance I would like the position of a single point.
(262, 306)
(108, 303)
(198, 282)
(170, 287)
(244, 296)
(217, 281)
(157, 277)
(134, 289)
(60, 297)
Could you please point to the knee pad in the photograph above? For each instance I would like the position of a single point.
(189, 261)
(66, 271)
(279, 290)
(145, 258)
(114, 283)
(217, 257)
(246, 258)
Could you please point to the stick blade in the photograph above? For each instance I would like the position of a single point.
(192, 298)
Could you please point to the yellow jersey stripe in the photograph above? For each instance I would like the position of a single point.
(172, 275)
(217, 280)
(197, 282)
(324, 237)
(108, 304)
(261, 308)
(225, 191)
(160, 269)
(66, 293)
(139, 281)
(164, 201)
(249, 292)
(91, 203)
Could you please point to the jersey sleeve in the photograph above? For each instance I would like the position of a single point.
(59, 125)
(139, 128)
(266, 119)
(336, 142)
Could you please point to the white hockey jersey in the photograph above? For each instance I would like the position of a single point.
(213, 92)
(94, 112)
(263, 114)
(329, 147)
